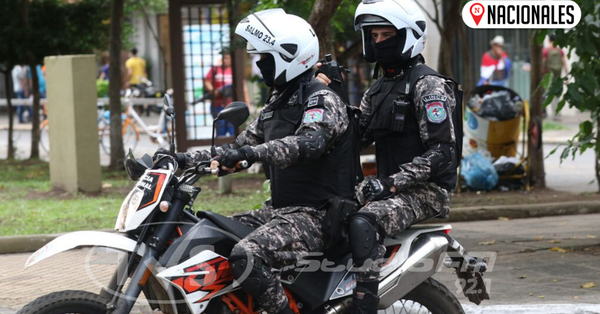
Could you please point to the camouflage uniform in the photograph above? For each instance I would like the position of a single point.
(285, 234)
(416, 198)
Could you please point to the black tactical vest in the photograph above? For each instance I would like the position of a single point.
(311, 182)
(395, 148)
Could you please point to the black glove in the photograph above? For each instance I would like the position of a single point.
(231, 157)
(377, 189)
(179, 157)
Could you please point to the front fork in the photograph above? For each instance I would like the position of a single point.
(156, 245)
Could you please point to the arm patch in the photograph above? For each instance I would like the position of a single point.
(435, 108)
(316, 100)
(313, 115)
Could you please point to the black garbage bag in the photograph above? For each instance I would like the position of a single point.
(498, 106)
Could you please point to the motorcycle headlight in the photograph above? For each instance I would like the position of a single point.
(128, 208)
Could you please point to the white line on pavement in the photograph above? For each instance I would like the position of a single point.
(533, 309)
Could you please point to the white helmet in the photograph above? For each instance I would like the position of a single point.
(402, 14)
(288, 38)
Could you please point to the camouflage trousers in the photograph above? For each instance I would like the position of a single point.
(283, 236)
(393, 215)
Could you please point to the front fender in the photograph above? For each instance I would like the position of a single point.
(83, 238)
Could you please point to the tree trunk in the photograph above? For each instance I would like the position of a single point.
(598, 152)
(35, 88)
(114, 89)
(448, 33)
(536, 156)
(8, 86)
(35, 121)
(468, 82)
(320, 18)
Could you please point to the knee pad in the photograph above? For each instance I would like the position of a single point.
(257, 274)
(364, 238)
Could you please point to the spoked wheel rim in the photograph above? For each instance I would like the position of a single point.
(406, 307)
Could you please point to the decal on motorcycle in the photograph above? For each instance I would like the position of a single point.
(218, 276)
(151, 183)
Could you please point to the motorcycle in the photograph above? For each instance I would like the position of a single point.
(146, 89)
(178, 257)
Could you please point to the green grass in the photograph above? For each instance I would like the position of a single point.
(29, 205)
(553, 126)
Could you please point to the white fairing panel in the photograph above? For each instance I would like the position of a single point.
(200, 278)
(143, 199)
(83, 238)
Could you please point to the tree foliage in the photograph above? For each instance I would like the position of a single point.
(582, 89)
(342, 33)
(34, 29)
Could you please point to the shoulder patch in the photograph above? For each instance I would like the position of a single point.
(436, 112)
(315, 100)
(313, 115)
(434, 97)
(266, 115)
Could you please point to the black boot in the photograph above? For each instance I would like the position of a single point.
(364, 302)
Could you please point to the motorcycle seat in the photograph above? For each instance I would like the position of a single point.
(228, 225)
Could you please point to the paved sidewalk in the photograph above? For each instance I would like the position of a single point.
(79, 269)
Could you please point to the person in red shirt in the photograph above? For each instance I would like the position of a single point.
(495, 65)
(218, 82)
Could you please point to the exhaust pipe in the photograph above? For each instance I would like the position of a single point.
(420, 265)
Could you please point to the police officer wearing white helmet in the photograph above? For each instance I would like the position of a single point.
(303, 139)
(413, 115)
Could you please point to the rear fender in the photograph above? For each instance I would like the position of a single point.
(81, 239)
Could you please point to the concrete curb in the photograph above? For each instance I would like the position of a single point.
(30, 243)
(522, 211)
(23, 244)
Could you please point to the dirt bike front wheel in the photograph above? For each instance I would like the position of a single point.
(430, 297)
(68, 301)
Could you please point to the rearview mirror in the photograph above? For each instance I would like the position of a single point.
(168, 105)
(236, 112)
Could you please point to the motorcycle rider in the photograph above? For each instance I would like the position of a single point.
(412, 116)
(303, 135)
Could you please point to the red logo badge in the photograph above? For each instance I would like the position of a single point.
(476, 10)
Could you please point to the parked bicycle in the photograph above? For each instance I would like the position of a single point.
(132, 123)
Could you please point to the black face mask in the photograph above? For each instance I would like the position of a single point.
(267, 69)
(388, 53)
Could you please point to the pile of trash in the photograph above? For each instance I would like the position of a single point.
(496, 106)
(480, 173)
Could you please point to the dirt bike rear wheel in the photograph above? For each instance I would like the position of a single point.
(428, 297)
(68, 301)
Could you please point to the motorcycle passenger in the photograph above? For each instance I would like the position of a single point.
(412, 116)
(302, 135)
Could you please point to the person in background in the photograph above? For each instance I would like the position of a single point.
(136, 68)
(554, 61)
(495, 64)
(104, 71)
(41, 80)
(218, 83)
(21, 89)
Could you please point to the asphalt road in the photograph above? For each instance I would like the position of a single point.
(527, 277)
(540, 267)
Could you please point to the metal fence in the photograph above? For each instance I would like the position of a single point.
(207, 75)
